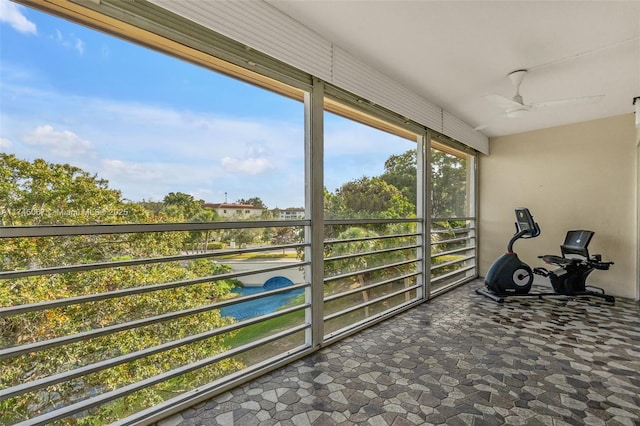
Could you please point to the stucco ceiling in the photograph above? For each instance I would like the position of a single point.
(454, 53)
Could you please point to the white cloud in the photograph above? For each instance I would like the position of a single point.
(127, 170)
(138, 113)
(69, 42)
(62, 143)
(255, 161)
(11, 13)
(79, 46)
(250, 166)
(202, 194)
(5, 144)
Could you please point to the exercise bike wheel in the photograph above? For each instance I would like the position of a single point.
(522, 279)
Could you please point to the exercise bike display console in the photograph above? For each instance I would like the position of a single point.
(509, 276)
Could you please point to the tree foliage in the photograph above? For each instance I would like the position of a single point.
(400, 171)
(38, 192)
(448, 185)
(254, 201)
(368, 198)
(182, 205)
(448, 181)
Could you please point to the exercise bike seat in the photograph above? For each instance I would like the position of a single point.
(575, 244)
(557, 260)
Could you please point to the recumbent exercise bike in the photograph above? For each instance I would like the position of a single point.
(509, 276)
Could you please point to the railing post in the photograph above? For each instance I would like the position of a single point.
(314, 197)
(424, 204)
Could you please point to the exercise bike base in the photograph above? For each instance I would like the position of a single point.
(490, 295)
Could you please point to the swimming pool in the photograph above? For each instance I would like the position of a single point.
(262, 306)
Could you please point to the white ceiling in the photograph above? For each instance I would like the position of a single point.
(453, 53)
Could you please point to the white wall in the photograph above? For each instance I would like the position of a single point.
(638, 210)
(579, 176)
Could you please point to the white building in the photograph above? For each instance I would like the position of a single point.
(290, 214)
(232, 210)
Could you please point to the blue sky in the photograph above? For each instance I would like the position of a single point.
(152, 124)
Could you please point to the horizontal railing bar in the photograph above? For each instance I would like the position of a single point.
(448, 252)
(363, 271)
(134, 387)
(369, 287)
(452, 273)
(445, 287)
(135, 228)
(452, 240)
(135, 262)
(358, 326)
(369, 253)
(40, 306)
(90, 334)
(451, 219)
(113, 362)
(369, 221)
(371, 302)
(156, 413)
(377, 237)
(454, 230)
(452, 262)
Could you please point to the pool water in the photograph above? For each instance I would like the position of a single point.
(262, 306)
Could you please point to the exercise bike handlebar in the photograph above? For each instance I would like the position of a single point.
(516, 237)
(526, 227)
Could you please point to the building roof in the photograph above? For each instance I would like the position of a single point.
(230, 206)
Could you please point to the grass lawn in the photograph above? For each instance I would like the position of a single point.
(262, 329)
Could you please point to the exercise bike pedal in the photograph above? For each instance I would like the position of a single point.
(541, 271)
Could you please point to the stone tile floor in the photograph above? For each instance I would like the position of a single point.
(460, 359)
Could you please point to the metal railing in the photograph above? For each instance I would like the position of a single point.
(372, 273)
(63, 358)
(87, 348)
(453, 252)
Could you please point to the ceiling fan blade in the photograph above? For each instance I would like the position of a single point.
(490, 122)
(481, 127)
(566, 102)
(502, 102)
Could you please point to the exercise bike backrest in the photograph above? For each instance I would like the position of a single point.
(526, 227)
(576, 243)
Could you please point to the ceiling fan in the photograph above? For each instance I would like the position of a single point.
(515, 107)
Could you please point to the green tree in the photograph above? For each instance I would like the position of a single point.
(363, 240)
(199, 240)
(448, 180)
(400, 171)
(184, 205)
(448, 185)
(154, 207)
(368, 198)
(254, 201)
(38, 192)
(240, 237)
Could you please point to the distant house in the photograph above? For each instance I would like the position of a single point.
(232, 210)
(290, 214)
